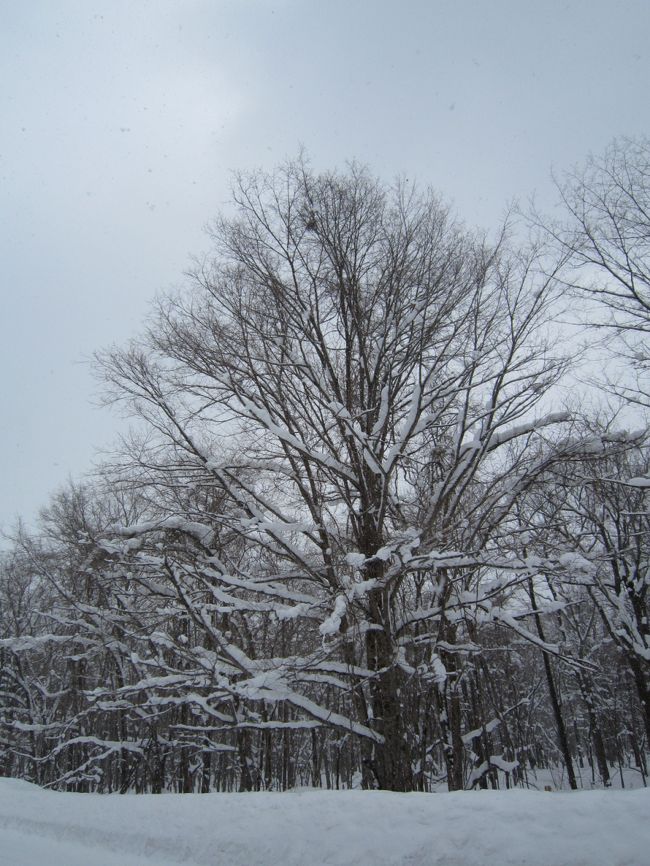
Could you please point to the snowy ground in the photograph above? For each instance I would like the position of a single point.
(309, 828)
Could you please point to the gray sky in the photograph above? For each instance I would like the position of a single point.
(120, 121)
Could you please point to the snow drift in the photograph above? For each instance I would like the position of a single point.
(308, 828)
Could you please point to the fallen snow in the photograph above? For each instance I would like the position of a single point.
(500, 828)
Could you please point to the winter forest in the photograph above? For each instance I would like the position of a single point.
(380, 517)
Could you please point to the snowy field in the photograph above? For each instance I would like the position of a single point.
(309, 828)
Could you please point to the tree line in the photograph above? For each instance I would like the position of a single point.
(358, 533)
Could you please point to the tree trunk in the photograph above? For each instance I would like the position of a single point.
(391, 762)
(555, 703)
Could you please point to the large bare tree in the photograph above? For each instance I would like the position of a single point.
(360, 380)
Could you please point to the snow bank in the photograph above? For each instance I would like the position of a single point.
(309, 828)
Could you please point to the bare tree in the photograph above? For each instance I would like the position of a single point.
(604, 234)
(358, 375)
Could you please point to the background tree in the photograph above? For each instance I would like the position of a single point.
(604, 234)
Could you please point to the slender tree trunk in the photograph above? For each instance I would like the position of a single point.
(643, 691)
(596, 733)
(555, 703)
(449, 711)
(206, 771)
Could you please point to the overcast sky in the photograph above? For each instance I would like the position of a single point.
(121, 120)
